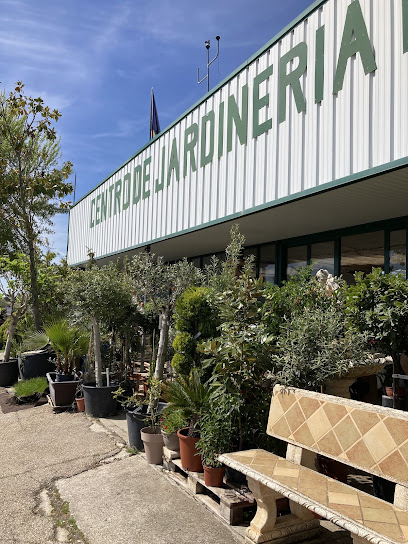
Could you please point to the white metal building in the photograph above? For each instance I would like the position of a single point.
(305, 145)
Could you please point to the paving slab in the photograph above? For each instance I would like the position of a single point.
(131, 502)
(36, 447)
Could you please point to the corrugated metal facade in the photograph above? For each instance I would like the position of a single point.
(363, 126)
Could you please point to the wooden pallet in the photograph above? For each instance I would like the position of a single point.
(57, 408)
(226, 502)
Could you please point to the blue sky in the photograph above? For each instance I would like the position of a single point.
(96, 61)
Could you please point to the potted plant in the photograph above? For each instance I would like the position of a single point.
(136, 414)
(79, 398)
(170, 423)
(216, 431)
(69, 343)
(192, 398)
(101, 297)
(14, 291)
(151, 435)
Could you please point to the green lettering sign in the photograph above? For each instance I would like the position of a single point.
(104, 205)
(189, 147)
(355, 40)
(173, 163)
(146, 177)
(126, 192)
(137, 183)
(97, 210)
(240, 121)
(292, 79)
(208, 119)
(221, 130)
(111, 188)
(118, 192)
(91, 222)
(259, 103)
(405, 25)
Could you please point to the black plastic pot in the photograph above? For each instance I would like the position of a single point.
(9, 373)
(99, 401)
(136, 420)
(64, 377)
(37, 364)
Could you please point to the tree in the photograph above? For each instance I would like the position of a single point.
(102, 296)
(161, 284)
(14, 289)
(32, 182)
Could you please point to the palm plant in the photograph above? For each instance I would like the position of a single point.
(68, 342)
(191, 397)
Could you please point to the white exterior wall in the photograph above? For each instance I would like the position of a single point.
(362, 127)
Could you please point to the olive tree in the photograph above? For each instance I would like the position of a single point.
(101, 297)
(160, 284)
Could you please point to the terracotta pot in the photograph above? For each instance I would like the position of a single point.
(153, 445)
(171, 441)
(80, 404)
(389, 391)
(189, 455)
(214, 476)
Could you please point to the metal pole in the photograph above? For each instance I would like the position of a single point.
(207, 77)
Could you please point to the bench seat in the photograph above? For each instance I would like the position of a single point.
(372, 519)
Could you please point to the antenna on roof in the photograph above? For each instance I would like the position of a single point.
(207, 77)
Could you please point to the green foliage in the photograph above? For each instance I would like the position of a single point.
(182, 363)
(191, 397)
(241, 354)
(194, 314)
(101, 293)
(316, 346)
(378, 305)
(130, 402)
(183, 360)
(69, 342)
(159, 283)
(171, 421)
(31, 387)
(217, 430)
(300, 292)
(33, 183)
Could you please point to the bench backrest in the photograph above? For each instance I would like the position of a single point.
(371, 438)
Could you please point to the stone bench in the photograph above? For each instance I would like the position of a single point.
(369, 438)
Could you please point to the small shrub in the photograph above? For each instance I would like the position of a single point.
(173, 421)
(31, 387)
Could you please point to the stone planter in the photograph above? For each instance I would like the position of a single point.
(99, 401)
(8, 373)
(339, 387)
(62, 393)
(153, 445)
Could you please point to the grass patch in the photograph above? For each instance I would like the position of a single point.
(62, 517)
(132, 450)
(27, 388)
